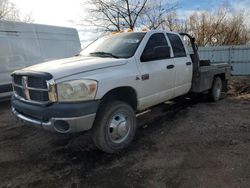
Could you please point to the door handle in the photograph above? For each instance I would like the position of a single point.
(188, 63)
(170, 67)
(145, 77)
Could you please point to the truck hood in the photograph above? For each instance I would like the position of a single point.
(74, 65)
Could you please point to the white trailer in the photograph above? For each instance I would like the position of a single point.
(23, 45)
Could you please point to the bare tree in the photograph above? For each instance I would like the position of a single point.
(218, 27)
(157, 12)
(113, 15)
(9, 12)
(103, 15)
(132, 11)
(215, 27)
(205, 25)
(234, 31)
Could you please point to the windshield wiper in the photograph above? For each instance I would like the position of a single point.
(104, 54)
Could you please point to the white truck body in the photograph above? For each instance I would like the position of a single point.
(111, 80)
(106, 70)
(23, 45)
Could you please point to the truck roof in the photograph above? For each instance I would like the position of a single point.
(146, 31)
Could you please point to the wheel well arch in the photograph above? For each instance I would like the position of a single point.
(222, 76)
(126, 94)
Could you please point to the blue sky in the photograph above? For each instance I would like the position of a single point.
(188, 7)
(202, 4)
(212, 4)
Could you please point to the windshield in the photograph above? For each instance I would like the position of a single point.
(118, 46)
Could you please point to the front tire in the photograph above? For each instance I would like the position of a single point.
(114, 127)
(215, 92)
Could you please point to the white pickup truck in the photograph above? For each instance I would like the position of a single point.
(112, 79)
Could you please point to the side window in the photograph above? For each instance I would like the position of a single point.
(177, 45)
(157, 48)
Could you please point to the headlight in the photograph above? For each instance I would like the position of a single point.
(76, 90)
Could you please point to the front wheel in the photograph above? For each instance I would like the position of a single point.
(215, 92)
(114, 127)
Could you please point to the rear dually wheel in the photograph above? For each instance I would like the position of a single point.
(215, 92)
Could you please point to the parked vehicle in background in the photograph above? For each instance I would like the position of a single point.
(23, 45)
(110, 81)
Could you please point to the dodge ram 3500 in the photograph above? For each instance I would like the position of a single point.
(112, 79)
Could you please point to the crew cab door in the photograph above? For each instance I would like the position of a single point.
(183, 65)
(157, 71)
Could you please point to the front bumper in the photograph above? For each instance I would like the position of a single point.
(62, 118)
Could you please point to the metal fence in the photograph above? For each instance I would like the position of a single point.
(237, 56)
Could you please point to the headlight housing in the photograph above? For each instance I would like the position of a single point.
(76, 90)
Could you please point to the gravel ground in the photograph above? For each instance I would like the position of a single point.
(191, 143)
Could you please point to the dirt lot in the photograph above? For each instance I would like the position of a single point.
(189, 144)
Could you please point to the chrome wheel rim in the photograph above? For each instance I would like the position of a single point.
(119, 128)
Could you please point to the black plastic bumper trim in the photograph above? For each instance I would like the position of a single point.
(56, 110)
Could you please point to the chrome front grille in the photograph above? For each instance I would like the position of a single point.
(31, 88)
